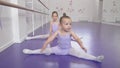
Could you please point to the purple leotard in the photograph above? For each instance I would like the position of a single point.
(54, 29)
(64, 45)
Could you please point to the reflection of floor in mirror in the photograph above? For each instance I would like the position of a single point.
(99, 39)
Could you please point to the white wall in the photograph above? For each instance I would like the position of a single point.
(111, 11)
(6, 35)
(16, 24)
(76, 9)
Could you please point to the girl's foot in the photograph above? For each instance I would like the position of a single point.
(100, 58)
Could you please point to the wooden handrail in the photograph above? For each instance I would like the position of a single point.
(19, 7)
(43, 4)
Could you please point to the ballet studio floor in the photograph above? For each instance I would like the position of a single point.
(99, 39)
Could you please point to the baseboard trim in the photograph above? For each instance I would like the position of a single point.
(10, 43)
(108, 23)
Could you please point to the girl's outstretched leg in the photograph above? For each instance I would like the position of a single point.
(38, 37)
(84, 55)
(47, 51)
(29, 51)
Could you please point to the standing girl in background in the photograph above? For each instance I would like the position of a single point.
(64, 47)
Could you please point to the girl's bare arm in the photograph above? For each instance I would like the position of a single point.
(78, 40)
(51, 38)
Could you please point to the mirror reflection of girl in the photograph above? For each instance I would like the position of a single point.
(64, 47)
